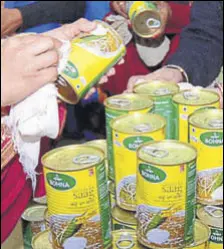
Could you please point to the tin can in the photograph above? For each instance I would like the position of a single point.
(145, 18)
(201, 236)
(41, 200)
(117, 106)
(129, 132)
(33, 223)
(111, 186)
(100, 144)
(212, 216)
(42, 240)
(162, 94)
(123, 219)
(125, 239)
(46, 219)
(166, 194)
(78, 199)
(206, 134)
(189, 101)
(99, 50)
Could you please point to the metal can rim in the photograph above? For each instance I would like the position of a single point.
(167, 141)
(26, 218)
(37, 237)
(203, 90)
(151, 82)
(134, 114)
(122, 221)
(68, 147)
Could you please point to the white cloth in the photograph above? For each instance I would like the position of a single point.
(33, 118)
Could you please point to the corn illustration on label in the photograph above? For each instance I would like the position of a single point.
(85, 207)
(166, 202)
(216, 239)
(92, 54)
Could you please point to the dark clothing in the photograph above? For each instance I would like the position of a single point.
(43, 12)
(200, 52)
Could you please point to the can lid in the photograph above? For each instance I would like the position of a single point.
(99, 143)
(125, 239)
(157, 88)
(128, 102)
(147, 23)
(207, 118)
(167, 153)
(42, 240)
(196, 97)
(124, 216)
(138, 123)
(73, 158)
(201, 234)
(34, 213)
(211, 216)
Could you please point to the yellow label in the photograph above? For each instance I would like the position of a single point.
(90, 57)
(75, 204)
(209, 144)
(125, 161)
(140, 6)
(216, 239)
(166, 201)
(183, 114)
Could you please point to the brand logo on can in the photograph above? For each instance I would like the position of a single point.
(152, 174)
(71, 70)
(213, 139)
(60, 182)
(133, 143)
(216, 236)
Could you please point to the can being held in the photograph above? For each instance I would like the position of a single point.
(213, 217)
(206, 134)
(42, 240)
(79, 211)
(162, 94)
(189, 101)
(33, 223)
(166, 194)
(92, 55)
(122, 219)
(201, 236)
(117, 106)
(129, 132)
(125, 239)
(145, 18)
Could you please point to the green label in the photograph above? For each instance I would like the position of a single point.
(151, 173)
(133, 143)
(71, 70)
(118, 226)
(60, 182)
(212, 139)
(110, 115)
(104, 205)
(216, 236)
(164, 106)
(190, 214)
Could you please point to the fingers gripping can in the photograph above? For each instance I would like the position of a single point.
(213, 217)
(129, 132)
(145, 18)
(166, 194)
(78, 199)
(206, 134)
(91, 56)
(117, 106)
(187, 102)
(162, 93)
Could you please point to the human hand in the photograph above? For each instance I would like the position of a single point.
(28, 63)
(120, 8)
(11, 20)
(70, 31)
(163, 74)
